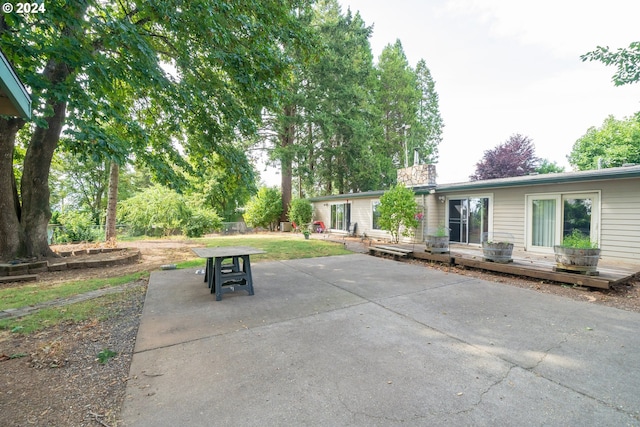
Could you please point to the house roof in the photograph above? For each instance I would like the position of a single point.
(622, 172)
(14, 98)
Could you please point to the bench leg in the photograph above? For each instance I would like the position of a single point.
(246, 268)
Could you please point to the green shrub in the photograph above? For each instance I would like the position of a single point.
(75, 226)
(300, 212)
(578, 240)
(154, 208)
(397, 209)
(201, 222)
(264, 209)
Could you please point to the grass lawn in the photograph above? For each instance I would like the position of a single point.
(277, 247)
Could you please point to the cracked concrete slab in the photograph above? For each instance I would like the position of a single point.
(358, 340)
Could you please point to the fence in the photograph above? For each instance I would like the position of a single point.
(235, 228)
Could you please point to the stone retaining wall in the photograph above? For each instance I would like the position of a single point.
(10, 271)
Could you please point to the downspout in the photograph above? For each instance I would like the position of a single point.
(425, 218)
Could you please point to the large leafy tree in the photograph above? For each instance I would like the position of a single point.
(617, 141)
(514, 157)
(97, 69)
(224, 181)
(614, 143)
(79, 184)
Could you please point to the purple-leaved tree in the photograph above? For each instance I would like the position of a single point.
(514, 157)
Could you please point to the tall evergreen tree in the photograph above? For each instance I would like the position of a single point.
(325, 126)
(398, 98)
(427, 134)
(340, 104)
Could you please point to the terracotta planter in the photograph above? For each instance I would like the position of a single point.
(578, 260)
(499, 252)
(437, 244)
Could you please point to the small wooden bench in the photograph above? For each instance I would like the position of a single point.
(391, 250)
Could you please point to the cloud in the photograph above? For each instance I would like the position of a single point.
(566, 27)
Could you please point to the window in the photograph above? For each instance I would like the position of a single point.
(340, 216)
(553, 216)
(375, 225)
(543, 225)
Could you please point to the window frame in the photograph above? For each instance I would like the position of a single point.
(374, 205)
(559, 197)
(346, 210)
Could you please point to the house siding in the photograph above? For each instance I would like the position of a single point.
(619, 206)
(620, 220)
(362, 214)
(619, 213)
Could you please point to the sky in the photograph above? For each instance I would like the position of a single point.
(503, 67)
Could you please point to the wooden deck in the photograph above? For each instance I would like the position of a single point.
(527, 265)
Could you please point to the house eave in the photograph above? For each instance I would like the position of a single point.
(363, 195)
(14, 98)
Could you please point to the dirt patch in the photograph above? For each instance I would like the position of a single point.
(56, 378)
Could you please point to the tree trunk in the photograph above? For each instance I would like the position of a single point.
(112, 202)
(286, 141)
(36, 211)
(11, 233)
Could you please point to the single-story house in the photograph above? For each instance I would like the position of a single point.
(535, 211)
(14, 98)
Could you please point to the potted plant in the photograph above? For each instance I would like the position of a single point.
(577, 253)
(437, 240)
(306, 233)
(497, 247)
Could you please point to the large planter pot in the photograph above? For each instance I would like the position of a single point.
(578, 260)
(437, 244)
(497, 251)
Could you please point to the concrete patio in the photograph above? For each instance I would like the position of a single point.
(359, 340)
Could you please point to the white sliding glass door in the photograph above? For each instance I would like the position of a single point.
(550, 217)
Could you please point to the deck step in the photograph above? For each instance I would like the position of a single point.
(391, 250)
